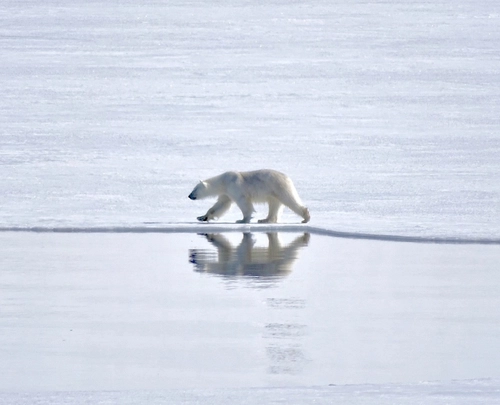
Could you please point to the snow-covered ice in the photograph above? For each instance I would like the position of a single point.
(385, 115)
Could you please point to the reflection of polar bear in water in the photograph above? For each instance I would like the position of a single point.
(246, 259)
(246, 188)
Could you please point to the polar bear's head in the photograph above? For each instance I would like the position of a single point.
(200, 191)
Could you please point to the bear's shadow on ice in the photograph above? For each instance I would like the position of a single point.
(247, 259)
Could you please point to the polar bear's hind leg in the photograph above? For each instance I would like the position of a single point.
(274, 211)
(291, 202)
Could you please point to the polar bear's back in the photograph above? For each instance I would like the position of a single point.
(265, 176)
(261, 185)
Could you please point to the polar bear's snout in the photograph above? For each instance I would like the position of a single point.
(200, 191)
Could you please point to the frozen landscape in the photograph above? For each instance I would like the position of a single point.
(385, 115)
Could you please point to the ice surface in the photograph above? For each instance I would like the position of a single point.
(385, 114)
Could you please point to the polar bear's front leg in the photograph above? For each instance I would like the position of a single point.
(246, 208)
(218, 209)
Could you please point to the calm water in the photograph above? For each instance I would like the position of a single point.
(145, 311)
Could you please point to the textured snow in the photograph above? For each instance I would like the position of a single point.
(385, 114)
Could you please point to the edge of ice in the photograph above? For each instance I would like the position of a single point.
(158, 227)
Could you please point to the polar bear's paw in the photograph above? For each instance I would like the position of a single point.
(306, 216)
(267, 221)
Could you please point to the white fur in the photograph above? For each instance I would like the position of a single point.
(246, 188)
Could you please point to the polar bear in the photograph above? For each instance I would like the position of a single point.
(245, 189)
